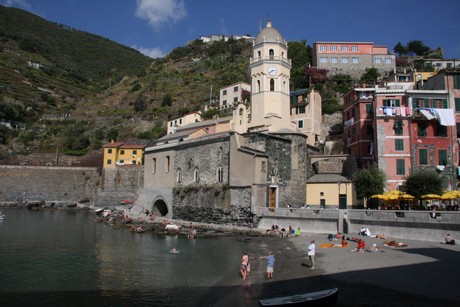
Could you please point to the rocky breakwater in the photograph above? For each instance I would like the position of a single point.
(37, 205)
(145, 223)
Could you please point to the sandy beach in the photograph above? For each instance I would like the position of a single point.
(421, 274)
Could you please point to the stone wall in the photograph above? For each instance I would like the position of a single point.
(84, 184)
(121, 183)
(47, 183)
(212, 204)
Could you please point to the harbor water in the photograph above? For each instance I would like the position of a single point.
(64, 258)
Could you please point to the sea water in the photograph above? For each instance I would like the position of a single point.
(64, 258)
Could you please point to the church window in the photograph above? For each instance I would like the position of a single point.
(196, 176)
(264, 166)
(272, 85)
(154, 165)
(220, 174)
(179, 175)
(258, 85)
(259, 54)
(167, 161)
(271, 53)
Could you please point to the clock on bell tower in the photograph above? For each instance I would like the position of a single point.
(270, 73)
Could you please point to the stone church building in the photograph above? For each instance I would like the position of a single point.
(224, 172)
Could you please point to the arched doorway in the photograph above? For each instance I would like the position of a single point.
(160, 208)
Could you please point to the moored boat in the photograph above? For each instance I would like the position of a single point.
(319, 298)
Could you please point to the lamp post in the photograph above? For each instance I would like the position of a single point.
(338, 196)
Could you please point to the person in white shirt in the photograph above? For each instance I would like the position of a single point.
(311, 253)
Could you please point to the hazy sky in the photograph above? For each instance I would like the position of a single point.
(155, 27)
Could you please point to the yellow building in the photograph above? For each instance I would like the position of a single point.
(330, 191)
(119, 154)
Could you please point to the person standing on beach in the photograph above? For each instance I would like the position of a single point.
(244, 265)
(270, 264)
(311, 253)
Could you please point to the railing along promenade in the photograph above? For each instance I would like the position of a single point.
(404, 224)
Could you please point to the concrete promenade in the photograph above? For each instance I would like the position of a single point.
(404, 224)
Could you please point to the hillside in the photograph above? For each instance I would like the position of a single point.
(68, 90)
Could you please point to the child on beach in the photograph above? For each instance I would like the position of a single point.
(270, 264)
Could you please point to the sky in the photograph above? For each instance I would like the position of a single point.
(156, 27)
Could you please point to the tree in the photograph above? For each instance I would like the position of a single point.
(370, 76)
(341, 83)
(423, 182)
(140, 104)
(400, 49)
(417, 47)
(300, 54)
(316, 75)
(369, 181)
(167, 100)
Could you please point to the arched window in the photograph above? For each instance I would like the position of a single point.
(271, 53)
(178, 175)
(272, 85)
(220, 174)
(282, 54)
(259, 54)
(258, 85)
(196, 176)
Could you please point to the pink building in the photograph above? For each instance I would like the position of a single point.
(402, 130)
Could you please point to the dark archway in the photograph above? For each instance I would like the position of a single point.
(160, 208)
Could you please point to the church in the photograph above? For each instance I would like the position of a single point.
(224, 172)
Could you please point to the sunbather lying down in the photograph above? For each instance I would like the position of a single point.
(394, 244)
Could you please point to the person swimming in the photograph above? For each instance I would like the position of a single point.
(174, 251)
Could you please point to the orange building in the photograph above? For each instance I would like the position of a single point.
(119, 154)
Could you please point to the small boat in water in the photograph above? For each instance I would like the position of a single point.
(319, 298)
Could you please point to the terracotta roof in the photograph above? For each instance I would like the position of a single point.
(113, 145)
(133, 146)
(123, 145)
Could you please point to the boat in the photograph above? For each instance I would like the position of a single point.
(323, 298)
(2, 216)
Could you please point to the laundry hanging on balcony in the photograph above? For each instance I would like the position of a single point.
(446, 117)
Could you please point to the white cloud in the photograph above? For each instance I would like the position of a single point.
(159, 12)
(154, 52)
(17, 3)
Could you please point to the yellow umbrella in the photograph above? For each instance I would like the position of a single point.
(450, 195)
(406, 197)
(431, 196)
(378, 196)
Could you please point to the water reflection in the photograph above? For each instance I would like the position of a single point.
(61, 257)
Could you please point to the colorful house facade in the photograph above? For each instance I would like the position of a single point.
(120, 154)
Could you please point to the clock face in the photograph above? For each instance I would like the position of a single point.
(272, 70)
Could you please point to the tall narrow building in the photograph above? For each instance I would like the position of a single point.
(270, 73)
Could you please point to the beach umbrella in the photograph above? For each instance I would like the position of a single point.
(431, 196)
(406, 197)
(378, 196)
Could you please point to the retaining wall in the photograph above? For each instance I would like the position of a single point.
(413, 225)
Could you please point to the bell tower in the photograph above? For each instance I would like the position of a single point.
(270, 73)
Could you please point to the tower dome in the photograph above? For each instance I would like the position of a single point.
(269, 35)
